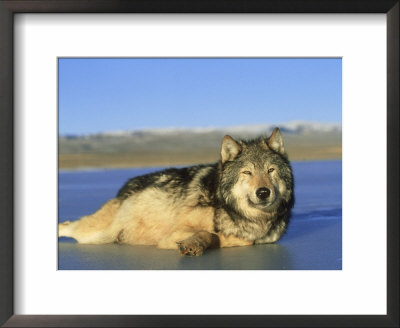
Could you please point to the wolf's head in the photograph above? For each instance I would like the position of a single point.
(256, 177)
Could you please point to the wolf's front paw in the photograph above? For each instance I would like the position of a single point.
(190, 247)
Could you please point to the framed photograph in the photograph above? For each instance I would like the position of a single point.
(162, 128)
(190, 95)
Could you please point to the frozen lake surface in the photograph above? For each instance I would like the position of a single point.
(313, 240)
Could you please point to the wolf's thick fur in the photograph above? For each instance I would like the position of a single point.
(243, 199)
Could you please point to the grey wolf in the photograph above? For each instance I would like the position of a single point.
(243, 199)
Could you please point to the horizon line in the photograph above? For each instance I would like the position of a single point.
(282, 125)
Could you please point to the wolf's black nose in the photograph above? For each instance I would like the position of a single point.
(263, 193)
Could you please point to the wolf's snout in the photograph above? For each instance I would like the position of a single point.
(263, 193)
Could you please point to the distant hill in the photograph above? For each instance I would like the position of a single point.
(172, 146)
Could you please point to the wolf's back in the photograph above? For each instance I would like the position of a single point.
(175, 181)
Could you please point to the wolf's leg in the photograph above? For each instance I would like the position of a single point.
(196, 244)
(95, 228)
(232, 241)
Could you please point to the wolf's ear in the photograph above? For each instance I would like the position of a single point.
(275, 142)
(230, 149)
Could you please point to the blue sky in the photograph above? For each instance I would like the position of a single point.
(97, 95)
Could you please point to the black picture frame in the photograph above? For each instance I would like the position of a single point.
(10, 7)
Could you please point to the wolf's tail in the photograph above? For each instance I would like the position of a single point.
(95, 228)
(64, 229)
